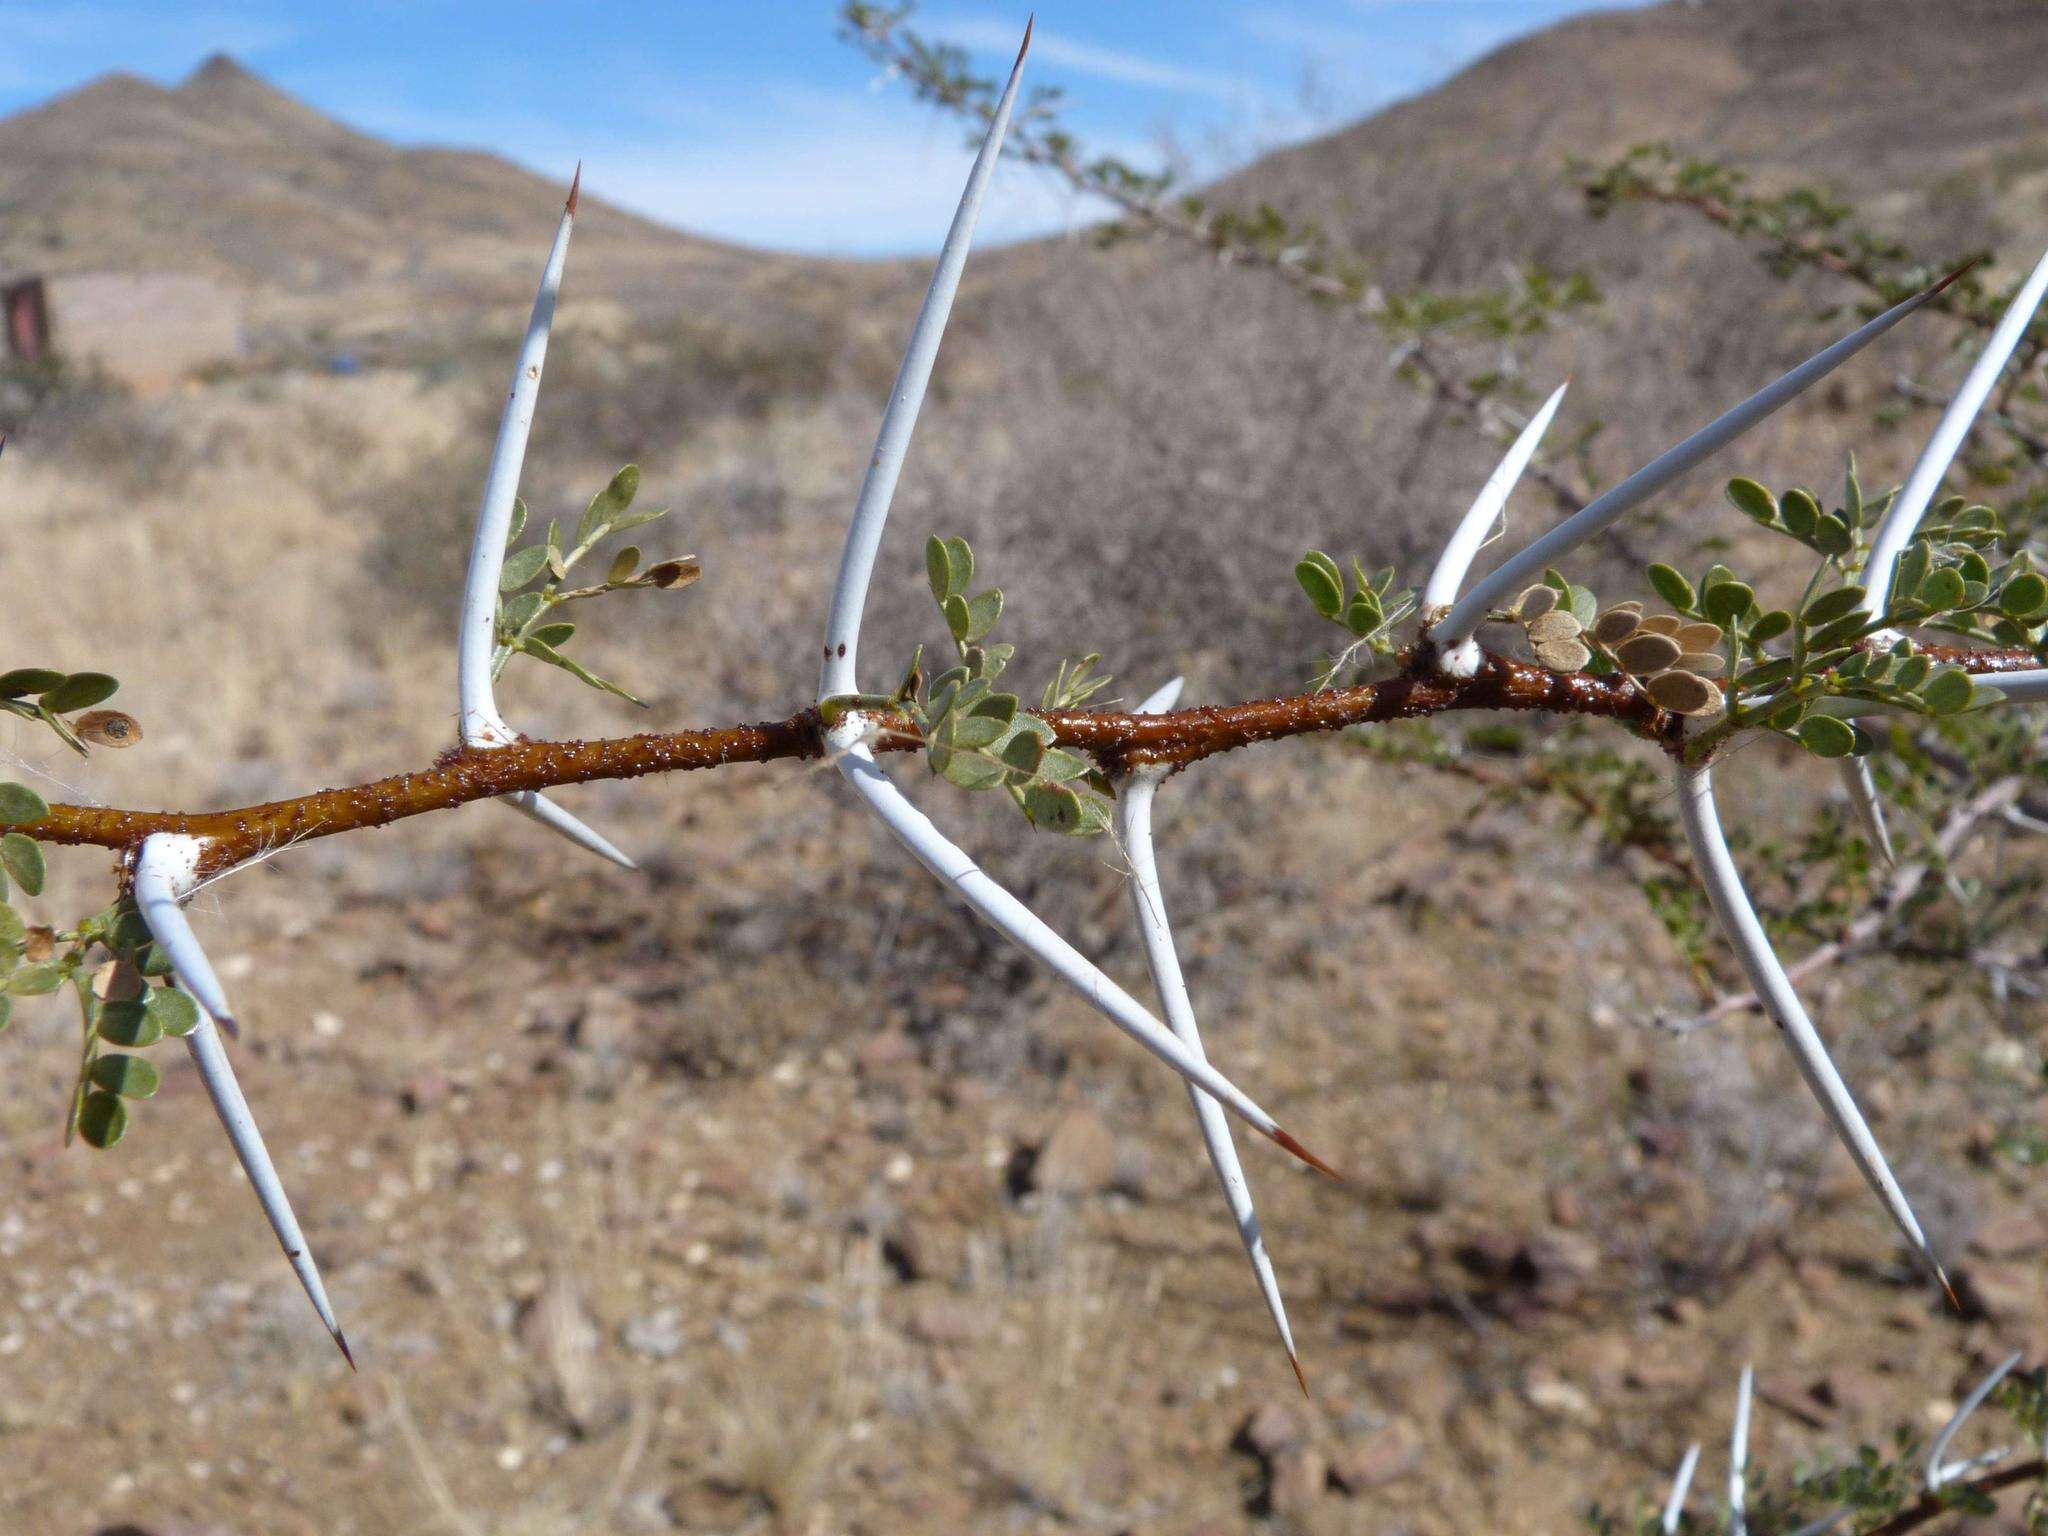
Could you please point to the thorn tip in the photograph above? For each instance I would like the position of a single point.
(575, 189)
(1295, 1360)
(1942, 1275)
(1974, 261)
(1305, 1155)
(1025, 46)
(341, 1343)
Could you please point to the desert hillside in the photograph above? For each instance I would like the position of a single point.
(763, 1190)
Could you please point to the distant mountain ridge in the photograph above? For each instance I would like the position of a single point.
(227, 176)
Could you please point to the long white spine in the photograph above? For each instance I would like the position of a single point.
(1452, 632)
(953, 869)
(1134, 830)
(1469, 537)
(165, 873)
(477, 630)
(1903, 517)
(1745, 934)
(878, 486)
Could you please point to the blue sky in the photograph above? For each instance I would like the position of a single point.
(748, 119)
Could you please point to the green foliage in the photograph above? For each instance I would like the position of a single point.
(1366, 606)
(979, 737)
(118, 977)
(45, 696)
(528, 617)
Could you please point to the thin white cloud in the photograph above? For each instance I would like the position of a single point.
(793, 166)
(1116, 64)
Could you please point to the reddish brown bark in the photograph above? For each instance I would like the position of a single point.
(1117, 741)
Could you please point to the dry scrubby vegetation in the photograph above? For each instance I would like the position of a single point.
(1820, 671)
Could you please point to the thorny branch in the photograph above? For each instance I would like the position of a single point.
(1117, 741)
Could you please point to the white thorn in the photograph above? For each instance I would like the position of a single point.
(477, 632)
(165, 873)
(551, 815)
(1940, 1472)
(1134, 829)
(906, 395)
(1745, 934)
(1163, 698)
(1738, 1453)
(2028, 687)
(847, 742)
(1901, 520)
(1865, 806)
(1466, 540)
(1530, 563)
(1681, 1485)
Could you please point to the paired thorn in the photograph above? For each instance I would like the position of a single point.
(165, 874)
(483, 727)
(952, 867)
(1737, 917)
(1530, 563)
(1134, 831)
(847, 741)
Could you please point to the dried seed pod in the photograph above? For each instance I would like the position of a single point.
(1563, 654)
(107, 728)
(1616, 625)
(1683, 693)
(1535, 602)
(672, 573)
(1643, 654)
(1663, 624)
(38, 945)
(1554, 625)
(1698, 637)
(1704, 663)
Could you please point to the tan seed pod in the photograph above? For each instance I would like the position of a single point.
(1616, 625)
(1698, 637)
(1663, 624)
(1554, 625)
(1644, 654)
(1704, 663)
(1535, 602)
(108, 728)
(38, 944)
(1631, 606)
(117, 982)
(1682, 693)
(1563, 655)
(672, 573)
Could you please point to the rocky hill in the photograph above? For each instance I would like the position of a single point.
(317, 223)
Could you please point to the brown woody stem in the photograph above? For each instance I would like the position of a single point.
(1116, 741)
